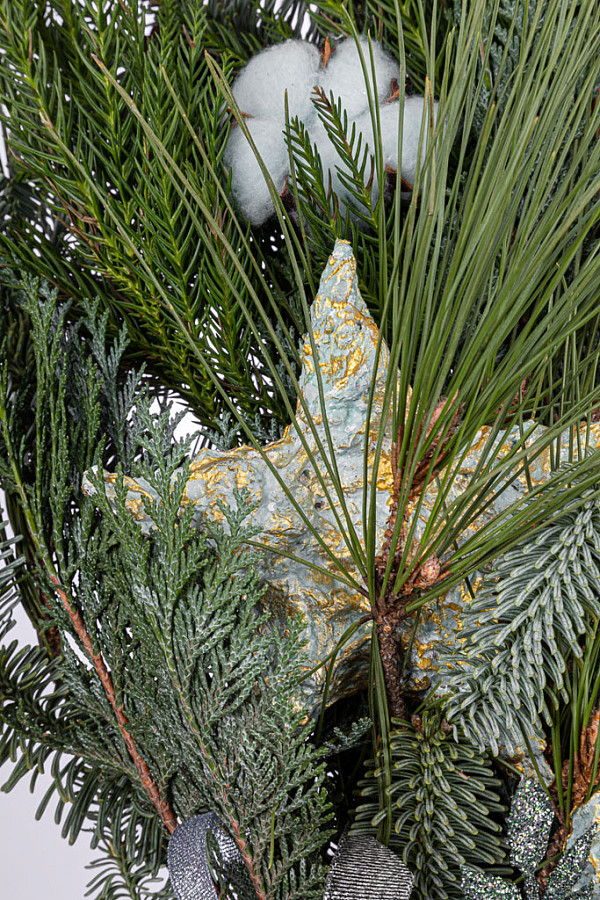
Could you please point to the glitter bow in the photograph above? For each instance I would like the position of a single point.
(188, 860)
(362, 868)
(528, 830)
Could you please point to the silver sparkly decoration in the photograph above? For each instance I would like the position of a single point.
(188, 858)
(363, 869)
(570, 869)
(529, 825)
(476, 886)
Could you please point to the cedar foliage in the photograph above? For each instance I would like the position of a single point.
(484, 283)
(175, 618)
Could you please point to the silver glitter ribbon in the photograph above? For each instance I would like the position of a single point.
(362, 868)
(529, 825)
(187, 858)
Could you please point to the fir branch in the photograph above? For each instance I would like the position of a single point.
(446, 800)
(524, 625)
(356, 169)
(115, 878)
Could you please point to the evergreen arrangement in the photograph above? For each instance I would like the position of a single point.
(139, 297)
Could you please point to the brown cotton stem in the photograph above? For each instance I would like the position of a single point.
(162, 806)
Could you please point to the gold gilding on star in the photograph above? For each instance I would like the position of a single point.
(349, 357)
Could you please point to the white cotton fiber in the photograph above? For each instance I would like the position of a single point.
(344, 75)
(260, 87)
(247, 181)
(388, 123)
(414, 109)
(296, 66)
(388, 119)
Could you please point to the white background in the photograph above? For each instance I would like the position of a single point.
(35, 862)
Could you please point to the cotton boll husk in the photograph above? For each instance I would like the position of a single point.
(344, 75)
(260, 87)
(248, 183)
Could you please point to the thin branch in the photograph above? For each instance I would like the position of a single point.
(161, 805)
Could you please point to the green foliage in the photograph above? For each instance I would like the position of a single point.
(504, 44)
(206, 685)
(484, 281)
(114, 877)
(538, 608)
(316, 198)
(101, 177)
(446, 804)
(528, 666)
(10, 566)
(245, 28)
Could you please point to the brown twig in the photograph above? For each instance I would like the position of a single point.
(394, 91)
(162, 806)
(242, 844)
(422, 573)
(584, 776)
(583, 779)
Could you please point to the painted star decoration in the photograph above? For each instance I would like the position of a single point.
(348, 359)
(345, 337)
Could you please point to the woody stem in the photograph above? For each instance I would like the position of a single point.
(161, 805)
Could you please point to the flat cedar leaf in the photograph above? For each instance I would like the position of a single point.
(475, 886)
(529, 823)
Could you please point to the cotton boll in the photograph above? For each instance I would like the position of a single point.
(388, 123)
(344, 75)
(260, 87)
(414, 109)
(247, 181)
(296, 66)
(333, 163)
